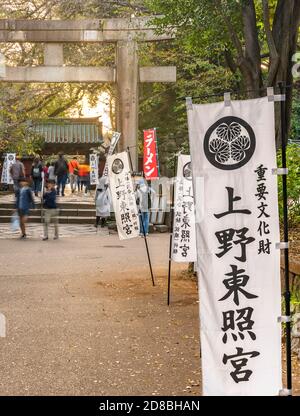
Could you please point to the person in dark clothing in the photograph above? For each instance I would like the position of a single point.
(50, 210)
(143, 200)
(24, 202)
(61, 172)
(36, 175)
(17, 171)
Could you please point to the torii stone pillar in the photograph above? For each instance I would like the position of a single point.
(128, 97)
(124, 33)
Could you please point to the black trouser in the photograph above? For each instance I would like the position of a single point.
(103, 221)
(61, 182)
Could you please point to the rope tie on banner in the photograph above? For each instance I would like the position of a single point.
(284, 319)
(272, 97)
(189, 103)
(280, 171)
(285, 392)
(227, 99)
(282, 245)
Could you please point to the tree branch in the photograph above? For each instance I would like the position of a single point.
(230, 60)
(232, 33)
(79, 95)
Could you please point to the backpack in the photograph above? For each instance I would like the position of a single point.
(61, 167)
(36, 172)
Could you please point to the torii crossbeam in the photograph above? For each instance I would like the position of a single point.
(125, 33)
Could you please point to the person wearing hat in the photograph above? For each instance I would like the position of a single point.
(24, 203)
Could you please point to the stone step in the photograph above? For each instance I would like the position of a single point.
(77, 212)
(4, 212)
(75, 205)
(62, 205)
(62, 212)
(8, 205)
(62, 220)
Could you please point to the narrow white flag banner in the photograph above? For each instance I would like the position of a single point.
(113, 143)
(233, 149)
(8, 161)
(94, 168)
(184, 233)
(123, 198)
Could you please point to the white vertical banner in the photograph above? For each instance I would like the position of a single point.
(233, 149)
(123, 197)
(2, 66)
(113, 143)
(4, 177)
(8, 161)
(184, 233)
(94, 168)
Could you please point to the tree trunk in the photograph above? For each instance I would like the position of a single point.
(252, 63)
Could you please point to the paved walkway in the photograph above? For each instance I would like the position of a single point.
(35, 231)
(80, 197)
(83, 318)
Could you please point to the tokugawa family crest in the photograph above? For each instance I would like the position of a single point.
(229, 143)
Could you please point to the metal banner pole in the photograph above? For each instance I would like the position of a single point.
(42, 196)
(171, 230)
(141, 221)
(287, 294)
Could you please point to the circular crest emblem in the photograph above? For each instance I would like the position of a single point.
(229, 143)
(187, 171)
(117, 166)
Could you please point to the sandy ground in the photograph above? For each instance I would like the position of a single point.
(84, 319)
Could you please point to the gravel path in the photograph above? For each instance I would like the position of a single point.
(83, 318)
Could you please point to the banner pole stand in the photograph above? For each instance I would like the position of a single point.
(141, 221)
(287, 294)
(171, 233)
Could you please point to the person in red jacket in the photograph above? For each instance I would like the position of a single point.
(73, 173)
(84, 176)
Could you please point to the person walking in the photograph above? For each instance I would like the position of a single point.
(36, 175)
(51, 175)
(46, 171)
(142, 194)
(61, 172)
(73, 173)
(84, 177)
(24, 203)
(17, 171)
(103, 202)
(50, 209)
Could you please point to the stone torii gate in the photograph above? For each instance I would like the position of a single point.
(124, 33)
